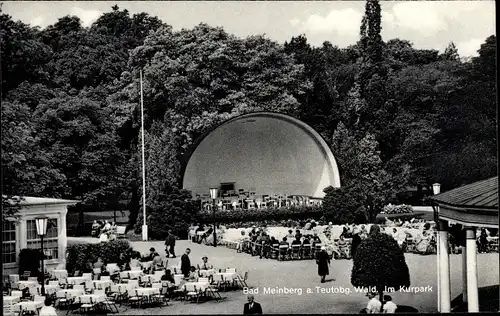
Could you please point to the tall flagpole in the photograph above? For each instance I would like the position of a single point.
(144, 225)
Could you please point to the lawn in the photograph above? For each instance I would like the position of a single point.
(300, 275)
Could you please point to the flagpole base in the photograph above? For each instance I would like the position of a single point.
(144, 232)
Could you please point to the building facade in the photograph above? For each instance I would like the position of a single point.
(20, 234)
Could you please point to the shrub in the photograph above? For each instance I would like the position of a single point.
(344, 205)
(29, 260)
(79, 255)
(397, 209)
(379, 262)
(259, 215)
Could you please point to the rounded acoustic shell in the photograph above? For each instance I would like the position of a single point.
(264, 152)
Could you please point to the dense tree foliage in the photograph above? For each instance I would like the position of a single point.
(394, 116)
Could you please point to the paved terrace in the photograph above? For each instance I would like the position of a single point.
(302, 275)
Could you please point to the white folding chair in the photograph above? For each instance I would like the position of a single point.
(88, 304)
(39, 298)
(17, 293)
(99, 292)
(79, 287)
(231, 270)
(105, 278)
(56, 283)
(134, 282)
(87, 276)
(33, 279)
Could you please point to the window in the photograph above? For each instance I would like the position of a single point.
(9, 242)
(50, 244)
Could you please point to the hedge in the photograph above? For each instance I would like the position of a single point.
(79, 255)
(29, 260)
(284, 213)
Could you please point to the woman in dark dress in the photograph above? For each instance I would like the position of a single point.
(356, 240)
(323, 260)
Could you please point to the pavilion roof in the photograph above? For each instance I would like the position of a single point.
(478, 195)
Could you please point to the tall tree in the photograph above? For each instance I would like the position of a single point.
(451, 53)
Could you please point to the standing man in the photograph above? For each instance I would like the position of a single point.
(170, 244)
(374, 304)
(186, 263)
(252, 308)
(323, 260)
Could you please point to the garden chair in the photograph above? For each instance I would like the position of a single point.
(213, 291)
(135, 299)
(157, 298)
(62, 300)
(109, 302)
(56, 283)
(295, 252)
(26, 275)
(283, 252)
(190, 292)
(306, 251)
(87, 304)
(106, 278)
(63, 283)
(274, 251)
(243, 280)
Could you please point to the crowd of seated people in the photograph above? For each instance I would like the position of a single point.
(259, 243)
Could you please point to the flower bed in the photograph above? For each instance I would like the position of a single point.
(397, 209)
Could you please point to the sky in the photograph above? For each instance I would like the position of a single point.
(427, 24)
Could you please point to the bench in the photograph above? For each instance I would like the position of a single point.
(120, 232)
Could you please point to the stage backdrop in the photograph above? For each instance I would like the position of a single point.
(268, 153)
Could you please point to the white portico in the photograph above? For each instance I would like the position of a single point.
(473, 206)
(22, 233)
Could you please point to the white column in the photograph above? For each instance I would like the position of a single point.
(63, 237)
(444, 268)
(464, 273)
(438, 269)
(472, 291)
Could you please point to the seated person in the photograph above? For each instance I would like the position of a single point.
(273, 241)
(284, 241)
(157, 263)
(193, 275)
(344, 232)
(99, 264)
(307, 226)
(104, 237)
(298, 233)
(342, 244)
(204, 264)
(152, 254)
(315, 239)
(306, 240)
(290, 235)
(206, 234)
(134, 262)
(168, 276)
(200, 228)
(296, 241)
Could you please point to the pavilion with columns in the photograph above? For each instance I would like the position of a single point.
(473, 206)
